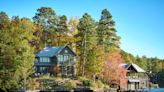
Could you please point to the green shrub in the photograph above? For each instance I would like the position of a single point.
(45, 76)
(100, 84)
(82, 78)
(94, 85)
(153, 85)
(58, 79)
(70, 84)
(106, 87)
(86, 83)
(33, 84)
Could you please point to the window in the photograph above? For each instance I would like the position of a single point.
(74, 59)
(66, 58)
(66, 51)
(44, 59)
(44, 69)
(63, 58)
(60, 57)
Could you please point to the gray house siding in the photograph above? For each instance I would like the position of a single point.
(52, 58)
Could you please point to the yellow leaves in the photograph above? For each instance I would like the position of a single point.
(72, 25)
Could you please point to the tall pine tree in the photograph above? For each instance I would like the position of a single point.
(47, 18)
(106, 32)
(87, 39)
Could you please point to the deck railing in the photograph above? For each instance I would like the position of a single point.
(137, 77)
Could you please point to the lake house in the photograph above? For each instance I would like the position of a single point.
(137, 79)
(59, 60)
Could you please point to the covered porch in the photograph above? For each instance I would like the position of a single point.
(133, 84)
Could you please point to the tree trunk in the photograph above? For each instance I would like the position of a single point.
(94, 77)
(24, 88)
(45, 39)
(84, 58)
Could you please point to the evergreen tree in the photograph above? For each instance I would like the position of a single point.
(62, 26)
(47, 18)
(62, 31)
(106, 32)
(87, 38)
(94, 64)
(109, 43)
(4, 20)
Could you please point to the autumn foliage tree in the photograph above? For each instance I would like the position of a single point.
(16, 53)
(112, 72)
(109, 42)
(95, 42)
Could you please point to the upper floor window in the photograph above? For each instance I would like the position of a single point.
(60, 57)
(72, 59)
(63, 58)
(44, 59)
(66, 58)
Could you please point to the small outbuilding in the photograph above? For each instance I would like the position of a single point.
(137, 79)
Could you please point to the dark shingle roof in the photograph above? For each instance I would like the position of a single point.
(136, 67)
(49, 51)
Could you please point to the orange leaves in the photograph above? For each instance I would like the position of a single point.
(112, 71)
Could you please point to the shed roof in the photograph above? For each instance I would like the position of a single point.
(49, 51)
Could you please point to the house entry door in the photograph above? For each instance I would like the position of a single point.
(132, 86)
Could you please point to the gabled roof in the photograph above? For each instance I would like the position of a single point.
(136, 67)
(50, 51)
